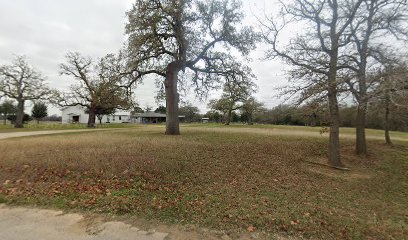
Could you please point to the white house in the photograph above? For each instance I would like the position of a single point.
(77, 114)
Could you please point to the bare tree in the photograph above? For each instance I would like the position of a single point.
(193, 37)
(21, 82)
(100, 87)
(391, 91)
(378, 22)
(315, 52)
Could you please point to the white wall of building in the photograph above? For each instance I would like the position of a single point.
(68, 114)
(77, 114)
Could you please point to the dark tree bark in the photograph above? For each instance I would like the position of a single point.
(361, 96)
(91, 119)
(100, 120)
(376, 20)
(250, 119)
(361, 143)
(172, 98)
(19, 114)
(387, 119)
(228, 119)
(334, 143)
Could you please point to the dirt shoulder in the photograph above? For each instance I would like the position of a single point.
(25, 223)
(47, 132)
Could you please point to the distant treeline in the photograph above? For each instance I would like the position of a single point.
(318, 116)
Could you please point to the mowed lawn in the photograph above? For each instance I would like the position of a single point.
(236, 180)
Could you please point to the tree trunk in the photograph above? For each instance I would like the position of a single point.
(4, 119)
(91, 119)
(334, 139)
(361, 143)
(38, 121)
(228, 119)
(172, 99)
(250, 119)
(334, 142)
(387, 119)
(19, 114)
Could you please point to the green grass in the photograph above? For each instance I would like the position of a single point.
(230, 180)
(3, 198)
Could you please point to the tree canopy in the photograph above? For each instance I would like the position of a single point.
(100, 88)
(196, 37)
(39, 111)
(315, 52)
(7, 108)
(21, 82)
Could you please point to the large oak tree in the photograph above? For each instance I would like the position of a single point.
(315, 51)
(21, 82)
(378, 25)
(190, 37)
(100, 86)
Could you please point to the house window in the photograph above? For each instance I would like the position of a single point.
(120, 118)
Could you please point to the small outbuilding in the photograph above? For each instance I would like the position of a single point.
(74, 114)
(149, 118)
(77, 114)
(205, 120)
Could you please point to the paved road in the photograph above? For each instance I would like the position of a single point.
(29, 224)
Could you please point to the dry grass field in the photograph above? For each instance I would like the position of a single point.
(33, 126)
(233, 180)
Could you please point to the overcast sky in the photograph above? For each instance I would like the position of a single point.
(45, 30)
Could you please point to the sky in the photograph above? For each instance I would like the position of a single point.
(45, 30)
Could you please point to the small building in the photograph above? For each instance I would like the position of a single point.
(149, 118)
(117, 117)
(77, 114)
(205, 120)
(74, 114)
